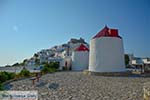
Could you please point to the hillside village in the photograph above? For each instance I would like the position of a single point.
(55, 53)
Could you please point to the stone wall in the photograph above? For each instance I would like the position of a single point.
(128, 73)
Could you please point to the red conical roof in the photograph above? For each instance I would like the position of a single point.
(107, 32)
(82, 48)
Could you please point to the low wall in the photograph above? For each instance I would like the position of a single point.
(128, 73)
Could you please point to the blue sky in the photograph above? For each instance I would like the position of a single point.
(27, 26)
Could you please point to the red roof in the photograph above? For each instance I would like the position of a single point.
(82, 48)
(107, 32)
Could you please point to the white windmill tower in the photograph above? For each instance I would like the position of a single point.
(106, 52)
(80, 58)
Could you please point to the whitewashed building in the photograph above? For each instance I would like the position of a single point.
(80, 58)
(141, 63)
(106, 52)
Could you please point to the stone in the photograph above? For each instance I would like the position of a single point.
(79, 86)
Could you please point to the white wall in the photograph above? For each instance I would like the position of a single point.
(106, 55)
(80, 60)
(141, 61)
(133, 61)
(145, 61)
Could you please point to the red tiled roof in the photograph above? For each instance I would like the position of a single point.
(82, 48)
(107, 32)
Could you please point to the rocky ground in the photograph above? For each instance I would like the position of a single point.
(77, 86)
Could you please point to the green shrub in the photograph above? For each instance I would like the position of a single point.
(1, 87)
(24, 73)
(54, 65)
(9, 75)
(50, 67)
(12, 75)
(17, 76)
(47, 70)
(3, 77)
(126, 57)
